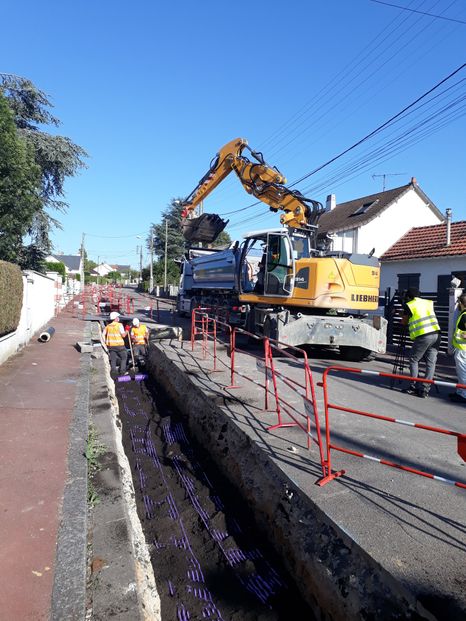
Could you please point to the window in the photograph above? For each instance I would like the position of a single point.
(364, 207)
(443, 285)
(405, 281)
(461, 276)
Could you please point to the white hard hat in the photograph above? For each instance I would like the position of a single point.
(135, 321)
(114, 315)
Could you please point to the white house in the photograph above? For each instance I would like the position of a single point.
(378, 220)
(426, 257)
(103, 269)
(72, 262)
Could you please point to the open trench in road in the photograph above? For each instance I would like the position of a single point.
(209, 560)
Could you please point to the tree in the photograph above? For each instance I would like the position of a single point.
(19, 189)
(223, 240)
(175, 240)
(57, 158)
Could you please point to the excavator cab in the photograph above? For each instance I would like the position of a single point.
(267, 264)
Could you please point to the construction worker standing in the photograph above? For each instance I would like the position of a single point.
(424, 331)
(140, 339)
(459, 344)
(114, 334)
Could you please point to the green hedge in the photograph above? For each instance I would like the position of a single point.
(11, 297)
(54, 266)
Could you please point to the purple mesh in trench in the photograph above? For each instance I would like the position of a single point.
(172, 509)
(217, 502)
(171, 589)
(182, 613)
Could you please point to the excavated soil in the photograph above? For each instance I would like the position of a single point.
(209, 561)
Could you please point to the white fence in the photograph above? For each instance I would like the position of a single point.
(42, 295)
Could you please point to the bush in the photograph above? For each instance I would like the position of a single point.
(11, 297)
(54, 266)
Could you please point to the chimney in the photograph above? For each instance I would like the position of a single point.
(331, 202)
(448, 214)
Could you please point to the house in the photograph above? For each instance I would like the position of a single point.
(102, 269)
(377, 221)
(427, 257)
(124, 270)
(72, 262)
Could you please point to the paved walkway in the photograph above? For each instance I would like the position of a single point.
(39, 389)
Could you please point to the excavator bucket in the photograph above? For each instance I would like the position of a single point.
(206, 228)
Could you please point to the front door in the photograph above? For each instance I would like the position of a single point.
(279, 266)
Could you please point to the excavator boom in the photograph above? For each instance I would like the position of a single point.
(262, 181)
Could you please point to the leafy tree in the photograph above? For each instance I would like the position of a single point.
(113, 276)
(223, 240)
(57, 158)
(19, 188)
(171, 223)
(173, 272)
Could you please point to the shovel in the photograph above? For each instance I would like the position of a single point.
(137, 377)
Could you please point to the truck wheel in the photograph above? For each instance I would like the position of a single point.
(356, 354)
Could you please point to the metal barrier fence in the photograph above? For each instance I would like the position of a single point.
(206, 326)
(329, 475)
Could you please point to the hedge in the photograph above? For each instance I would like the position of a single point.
(11, 297)
(54, 266)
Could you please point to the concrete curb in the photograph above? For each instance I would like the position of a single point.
(69, 587)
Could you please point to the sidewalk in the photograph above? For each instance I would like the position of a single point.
(41, 443)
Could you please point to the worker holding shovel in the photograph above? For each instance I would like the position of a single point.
(140, 338)
(114, 334)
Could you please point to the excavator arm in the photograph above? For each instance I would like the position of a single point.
(264, 182)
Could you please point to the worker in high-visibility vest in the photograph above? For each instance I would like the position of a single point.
(459, 345)
(140, 339)
(424, 331)
(114, 335)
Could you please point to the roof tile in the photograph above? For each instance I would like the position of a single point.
(427, 242)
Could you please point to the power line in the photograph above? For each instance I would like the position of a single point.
(115, 236)
(404, 8)
(410, 135)
(379, 128)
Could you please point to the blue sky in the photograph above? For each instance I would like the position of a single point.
(152, 90)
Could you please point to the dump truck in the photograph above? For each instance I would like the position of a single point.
(285, 283)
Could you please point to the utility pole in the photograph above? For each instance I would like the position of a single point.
(151, 266)
(81, 271)
(385, 175)
(166, 246)
(140, 263)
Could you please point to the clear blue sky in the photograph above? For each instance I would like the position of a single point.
(152, 90)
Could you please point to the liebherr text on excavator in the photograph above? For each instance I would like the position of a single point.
(286, 282)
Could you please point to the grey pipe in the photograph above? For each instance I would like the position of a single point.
(46, 335)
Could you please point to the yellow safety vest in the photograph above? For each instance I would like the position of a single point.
(139, 334)
(113, 336)
(458, 340)
(423, 319)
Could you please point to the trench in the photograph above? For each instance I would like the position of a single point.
(209, 560)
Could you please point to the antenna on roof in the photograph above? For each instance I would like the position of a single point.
(385, 175)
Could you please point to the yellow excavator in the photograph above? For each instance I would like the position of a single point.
(285, 283)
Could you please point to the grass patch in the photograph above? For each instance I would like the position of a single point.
(94, 449)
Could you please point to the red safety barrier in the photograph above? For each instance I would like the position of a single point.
(329, 475)
(266, 363)
(306, 390)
